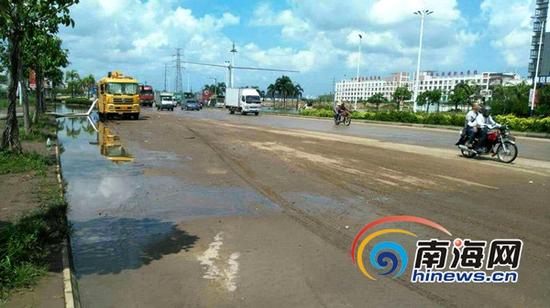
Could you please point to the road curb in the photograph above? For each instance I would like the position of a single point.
(433, 126)
(71, 300)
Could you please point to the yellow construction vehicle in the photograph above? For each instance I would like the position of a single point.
(118, 94)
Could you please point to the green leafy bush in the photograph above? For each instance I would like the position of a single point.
(525, 124)
(78, 101)
(442, 118)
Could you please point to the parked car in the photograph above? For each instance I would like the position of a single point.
(191, 105)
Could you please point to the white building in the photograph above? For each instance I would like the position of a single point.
(349, 90)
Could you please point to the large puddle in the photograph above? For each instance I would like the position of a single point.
(122, 218)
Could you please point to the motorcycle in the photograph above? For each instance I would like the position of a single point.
(499, 143)
(339, 119)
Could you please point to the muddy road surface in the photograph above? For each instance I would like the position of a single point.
(207, 211)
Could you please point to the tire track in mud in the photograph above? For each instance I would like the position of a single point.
(329, 233)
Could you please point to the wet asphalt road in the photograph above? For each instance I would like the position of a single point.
(225, 211)
(530, 148)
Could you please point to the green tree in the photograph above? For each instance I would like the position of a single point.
(543, 101)
(433, 97)
(298, 91)
(218, 89)
(72, 78)
(377, 99)
(284, 87)
(88, 83)
(510, 99)
(400, 95)
(20, 18)
(271, 91)
(464, 94)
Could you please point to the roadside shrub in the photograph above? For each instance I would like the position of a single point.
(541, 125)
(525, 124)
(81, 101)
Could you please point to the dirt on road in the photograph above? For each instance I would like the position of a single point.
(265, 216)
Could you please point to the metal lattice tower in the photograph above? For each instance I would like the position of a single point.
(541, 12)
(178, 86)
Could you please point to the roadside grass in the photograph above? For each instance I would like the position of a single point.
(26, 244)
(17, 163)
(43, 128)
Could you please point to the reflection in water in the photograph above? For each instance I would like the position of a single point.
(110, 245)
(110, 145)
(123, 218)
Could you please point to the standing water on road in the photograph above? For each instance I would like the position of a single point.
(122, 218)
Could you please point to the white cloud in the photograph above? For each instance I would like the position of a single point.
(292, 26)
(396, 11)
(140, 37)
(509, 28)
(319, 38)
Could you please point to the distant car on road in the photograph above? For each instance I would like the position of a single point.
(191, 105)
(165, 100)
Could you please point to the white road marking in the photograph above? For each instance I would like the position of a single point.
(210, 260)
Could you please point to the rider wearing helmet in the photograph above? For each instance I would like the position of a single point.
(484, 122)
(341, 110)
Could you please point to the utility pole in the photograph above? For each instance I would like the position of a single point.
(231, 65)
(333, 92)
(422, 15)
(165, 70)
(533, 96)
(187, 72)
(215, 85)
(358, 66)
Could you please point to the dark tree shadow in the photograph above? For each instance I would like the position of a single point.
(110, 245)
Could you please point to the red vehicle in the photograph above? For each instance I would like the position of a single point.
(146, 96)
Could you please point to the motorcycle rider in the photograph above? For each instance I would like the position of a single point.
(341, 111)
(470, 124)
(484, 122)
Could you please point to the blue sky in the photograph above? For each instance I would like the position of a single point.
(318, 38)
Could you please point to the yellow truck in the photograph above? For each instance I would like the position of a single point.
(118, 94)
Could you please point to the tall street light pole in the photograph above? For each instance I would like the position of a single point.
(215, 85)
(422, 15)
(537, 69)
(358, 67)
(165, 70)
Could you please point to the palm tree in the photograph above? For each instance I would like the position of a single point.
(285, 87)
(400, 95)
(88, 83)
(271, 90)
(298, 91)
(73, 80)
(377, 99)
(430, 97)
